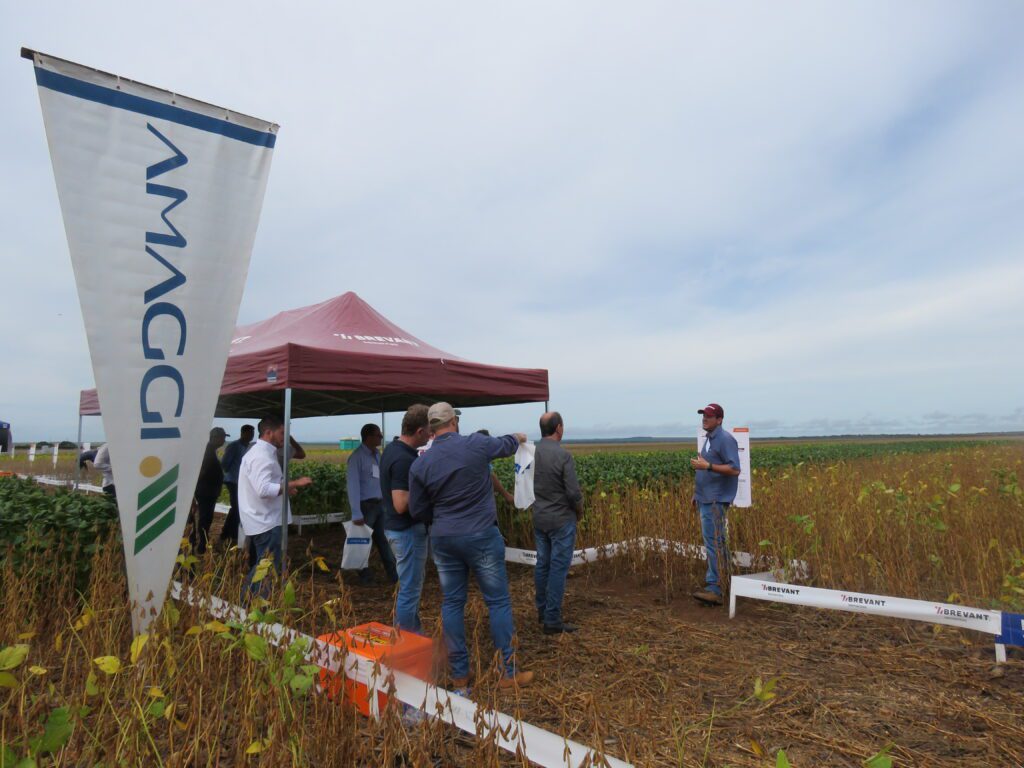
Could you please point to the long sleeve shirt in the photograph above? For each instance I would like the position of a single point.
(101, 463)
(260, 482)
(231, 462)
(451, 483)
(211, 476)
(555, 486)
(362, 478)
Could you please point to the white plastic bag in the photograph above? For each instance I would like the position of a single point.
(356, 554)
(523, 495)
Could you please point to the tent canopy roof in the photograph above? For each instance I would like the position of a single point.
(340, 357)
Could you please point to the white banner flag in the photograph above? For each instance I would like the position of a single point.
(742, 435)
(161, 196)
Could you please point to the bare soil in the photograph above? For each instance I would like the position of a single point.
(659, 680)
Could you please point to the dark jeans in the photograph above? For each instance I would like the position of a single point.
(554, 556)
(229, 531)
(373, 517)
(484, 555)
(263, 544)
(200, 533)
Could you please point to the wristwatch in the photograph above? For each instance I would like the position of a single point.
(709, 466)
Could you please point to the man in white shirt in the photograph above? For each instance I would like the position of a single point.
(260, 485)
(101, 463)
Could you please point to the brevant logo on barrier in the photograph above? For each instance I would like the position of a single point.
(959, 613)
(780, 590)
(857, 600)
(157, 502)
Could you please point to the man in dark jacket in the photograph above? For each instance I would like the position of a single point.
(450, 488)
(558, 505)
(211, 478)
(231, 462)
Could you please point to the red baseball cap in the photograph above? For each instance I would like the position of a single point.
(713, 409)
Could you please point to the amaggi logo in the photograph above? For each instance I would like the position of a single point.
(157, 502)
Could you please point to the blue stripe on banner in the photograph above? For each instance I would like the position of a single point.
(1013, 629)
(46, 78)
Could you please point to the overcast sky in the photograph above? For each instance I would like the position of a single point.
(811, 213)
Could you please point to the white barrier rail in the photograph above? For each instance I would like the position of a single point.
(510, 734)
(591, 554)
(764, 586)
(221, 509)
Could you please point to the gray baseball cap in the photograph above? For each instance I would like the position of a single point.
(441, 413)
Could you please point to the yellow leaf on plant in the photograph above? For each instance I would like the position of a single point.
(109, 664)
(217, 626)
(321, 564)
(137, 645)
(193, 630)
(257, 746)
(11, 657)
(38, 670)
(172, 663)
(84, 620)
(58, 642)
(7, 680)
(181, 724)
(155, 692)
(26, 635)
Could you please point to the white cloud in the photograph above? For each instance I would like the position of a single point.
(813, 203)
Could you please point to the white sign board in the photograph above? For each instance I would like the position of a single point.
(742, 435)
(161, 196)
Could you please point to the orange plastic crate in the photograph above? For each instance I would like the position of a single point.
(403, 652)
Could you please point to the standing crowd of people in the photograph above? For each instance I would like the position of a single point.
(441, 502)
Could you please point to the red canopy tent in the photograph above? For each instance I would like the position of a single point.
(343, 357)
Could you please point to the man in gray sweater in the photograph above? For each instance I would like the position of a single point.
(557, 508)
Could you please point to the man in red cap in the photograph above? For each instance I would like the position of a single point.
(718, 471)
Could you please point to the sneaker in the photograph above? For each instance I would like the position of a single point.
(557, 629)
(707, 597)
(520, 680)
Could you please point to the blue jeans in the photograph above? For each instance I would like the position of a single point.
(554, 556)
(454, 557)
(266, 543)
(712, 528)
(410, 549)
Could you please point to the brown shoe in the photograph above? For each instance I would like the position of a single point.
(707, 597)
(521, 680)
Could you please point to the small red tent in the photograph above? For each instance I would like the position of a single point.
(343, 357)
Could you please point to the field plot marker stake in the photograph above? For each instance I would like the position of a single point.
(284, 486)
(78, 463)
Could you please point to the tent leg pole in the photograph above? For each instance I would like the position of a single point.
(284, 488)
(546, 409)
(382, 428)
(78, 466)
